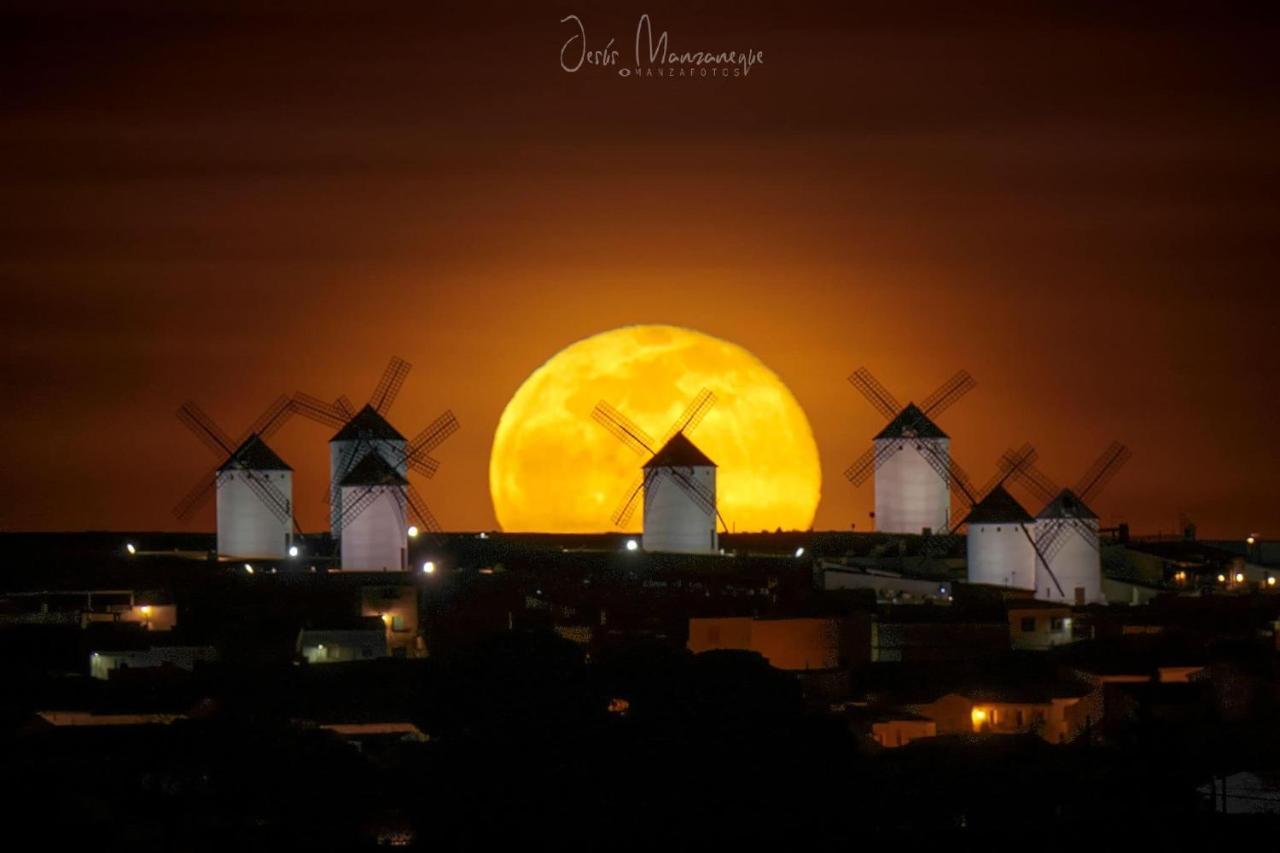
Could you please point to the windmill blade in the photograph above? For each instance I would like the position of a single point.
(389, 385)
(627, 506)
(330, 414)
(195, 419)
(1041, 486)
(418, 508)
(877, 395)
(861, 469)
(948, 469)
(948, 394)
(1102, 470)
(274, 417)
(433, 435)
(623, 429)
(1010, 462)
(267, 492)
(343, 407)
(425, 465)
(1050, 540)
(1042, 558)
(692, 415)
(198, 496)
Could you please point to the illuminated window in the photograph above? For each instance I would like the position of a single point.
(397, 623)
(1057, 624)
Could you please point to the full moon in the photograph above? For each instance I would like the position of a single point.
(554, 469)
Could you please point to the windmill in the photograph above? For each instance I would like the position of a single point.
(910, 457)
(678, 481)
(1000, 544)
(378, 502)
(1066, 530)
(368, 431)
(254, 486)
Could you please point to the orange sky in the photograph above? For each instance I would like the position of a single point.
(230, 205)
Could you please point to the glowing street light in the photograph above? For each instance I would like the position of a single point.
(429, 568)
(293, 550)
(128, 546)
(1222, 578)
(1239, 577)
(1271, 580)
(248, 568)
(413, 531)
(1250, 540)
(632, 545)
(800, 552)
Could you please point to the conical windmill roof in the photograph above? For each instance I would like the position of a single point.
(368, 424)
(253, 454)
(911, 422)
(998, 507)
(679, 452)
(1067, 505)
(373, 470)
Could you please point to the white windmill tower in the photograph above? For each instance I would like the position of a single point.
(910, 457)
(999, 543)
(254, 486)
(1069, 564)
(373, 523)
(1000, 546)
(678, 482)
(368, 431)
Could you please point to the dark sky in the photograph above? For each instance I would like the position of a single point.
(1078, 204)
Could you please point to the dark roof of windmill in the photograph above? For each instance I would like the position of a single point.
(367, 423)
(911, 422)
(254, 455)
(373, 470)
(1067, 505)
(679, 452)
(998, 507)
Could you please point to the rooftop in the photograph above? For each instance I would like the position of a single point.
(679, 452)
(998, 507)
(911, 422)
(368, 424)
(253, 454)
